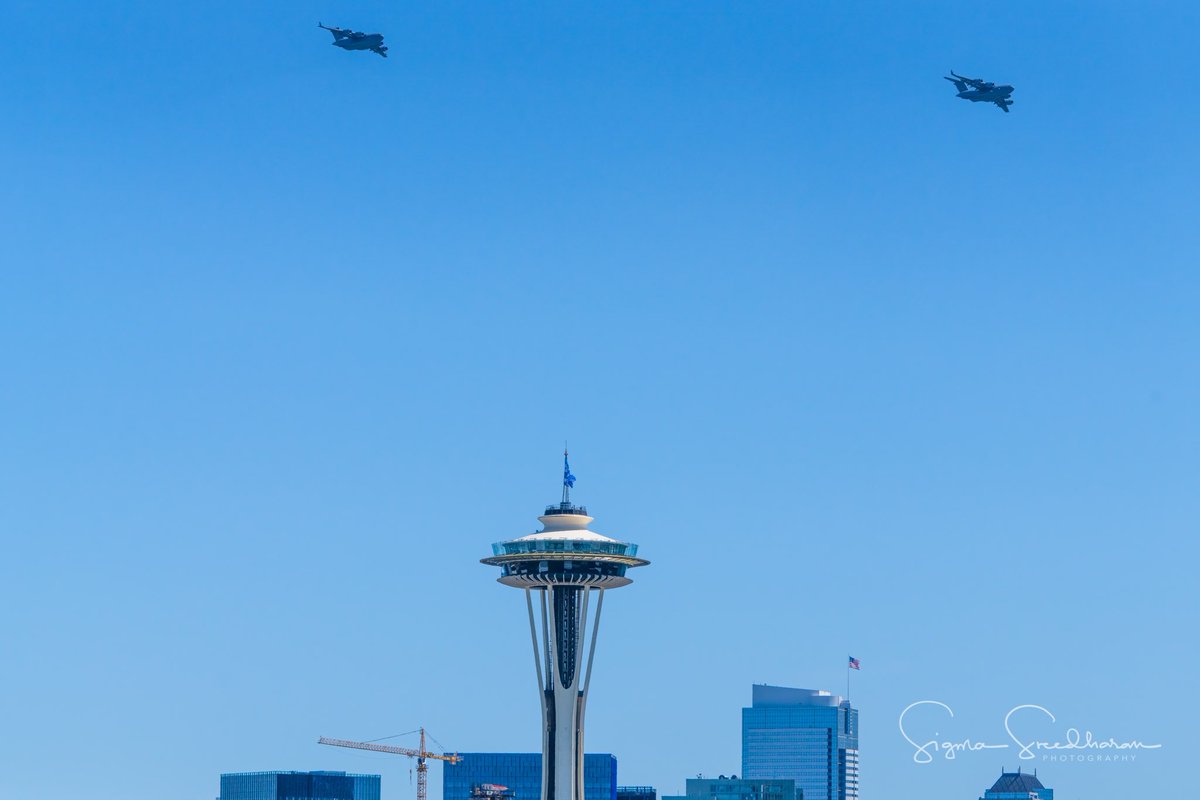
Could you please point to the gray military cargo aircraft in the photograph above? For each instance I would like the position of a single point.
(356, 40)
(978, 91)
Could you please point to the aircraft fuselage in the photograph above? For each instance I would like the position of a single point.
(361, 43)
(993, 95)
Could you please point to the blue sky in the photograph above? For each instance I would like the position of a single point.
(291, 335)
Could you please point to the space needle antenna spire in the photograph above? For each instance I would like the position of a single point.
(568, 479)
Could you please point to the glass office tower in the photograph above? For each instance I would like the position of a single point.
(298, 786)
(804, 735)
(521, 773)
(1018, 786)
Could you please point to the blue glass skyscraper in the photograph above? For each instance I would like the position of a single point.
(521, 774)
(808, 736)
(298, 786)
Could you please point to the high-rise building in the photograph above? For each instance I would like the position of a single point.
(806, 735)
(518, 776)
(565, 564)
(1018, 786)
(735, 788)
(298, 786)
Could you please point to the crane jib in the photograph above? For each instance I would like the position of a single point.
(420, 754)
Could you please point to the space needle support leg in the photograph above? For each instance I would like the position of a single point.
(548, 705)
(537, 656)
(582, 628)
(546, 637)
(587, 681)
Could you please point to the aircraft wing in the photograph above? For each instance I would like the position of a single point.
(383, 52)
(974, 83)
(1004, 104)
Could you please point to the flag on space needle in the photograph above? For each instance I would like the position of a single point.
(568, 478)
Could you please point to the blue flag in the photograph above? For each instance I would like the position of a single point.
(568, 478)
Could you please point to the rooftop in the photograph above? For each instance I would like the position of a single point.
(326, 772)
(1017, 782)
(566, 507)
(765, 695)
(565, 529)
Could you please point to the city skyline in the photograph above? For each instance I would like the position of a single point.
(291, 334)
(771, 767)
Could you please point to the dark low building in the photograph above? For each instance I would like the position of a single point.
(1018, 786)
(319, 785)
(735, 788)
(636, 793)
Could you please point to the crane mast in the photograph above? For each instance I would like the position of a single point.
(420, 754)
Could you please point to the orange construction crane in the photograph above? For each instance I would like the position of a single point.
(420, 754)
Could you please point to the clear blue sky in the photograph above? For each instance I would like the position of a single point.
(291, 335)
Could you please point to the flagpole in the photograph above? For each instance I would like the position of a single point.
(568, 480)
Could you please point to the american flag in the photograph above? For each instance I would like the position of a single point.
(854, 663)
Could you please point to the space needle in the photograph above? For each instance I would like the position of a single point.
(566, 564)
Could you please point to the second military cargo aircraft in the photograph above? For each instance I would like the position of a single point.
(356, 40)
(978, 91)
